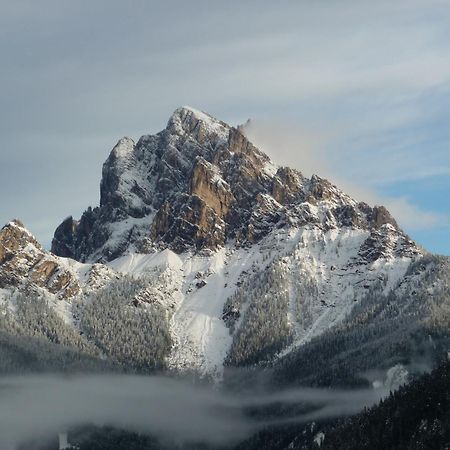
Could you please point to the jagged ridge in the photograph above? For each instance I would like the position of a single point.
(198, 184)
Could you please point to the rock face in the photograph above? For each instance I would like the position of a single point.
(198, 184)
(25, 264)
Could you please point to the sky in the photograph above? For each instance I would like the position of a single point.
(353, 90)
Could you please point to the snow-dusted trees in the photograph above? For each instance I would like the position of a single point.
(263, 330)
(407, 325)
(113, 323)
(34, 338)
(34, 317)
(132, 333)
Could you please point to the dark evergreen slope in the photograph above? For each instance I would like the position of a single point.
(417, 416)
(27, 355)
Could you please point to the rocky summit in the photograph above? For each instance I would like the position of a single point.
(199, 184)
(203, 255)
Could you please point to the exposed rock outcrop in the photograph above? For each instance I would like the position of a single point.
(25, 264)
(207, 184)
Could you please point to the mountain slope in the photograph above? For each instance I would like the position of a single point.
(92, 311)
(199, 203)
(249, 262)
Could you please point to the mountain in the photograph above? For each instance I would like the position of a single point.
(200, 184)
(231, 261)
(206, 258)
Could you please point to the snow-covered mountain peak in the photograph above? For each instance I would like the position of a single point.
(198, 185)
(186, 119)
(123, 148)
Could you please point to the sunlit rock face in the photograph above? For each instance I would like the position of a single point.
(25, 264)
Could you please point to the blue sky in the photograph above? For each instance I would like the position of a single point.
(356, 91)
